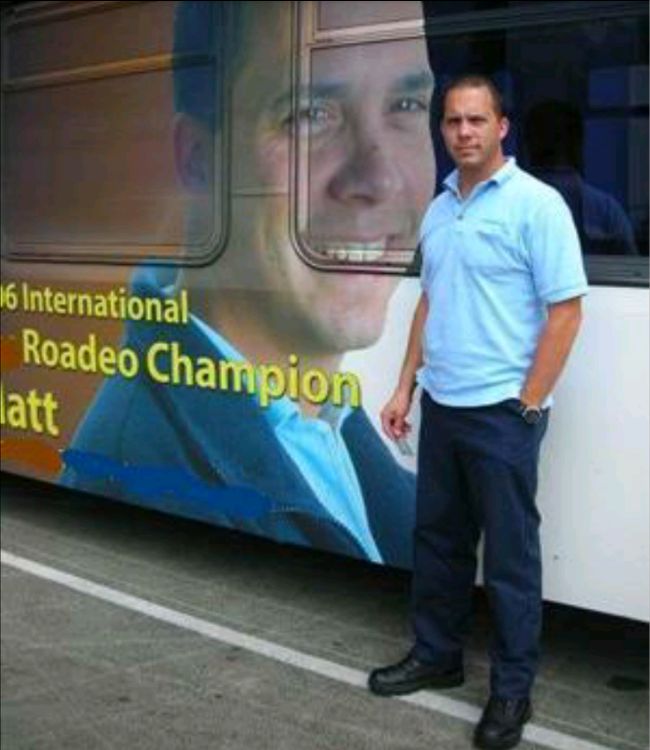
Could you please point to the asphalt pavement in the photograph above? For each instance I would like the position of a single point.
(126, 628)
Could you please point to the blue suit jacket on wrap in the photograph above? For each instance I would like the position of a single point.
(221, 441)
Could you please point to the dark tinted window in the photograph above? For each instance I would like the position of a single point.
(576, 89)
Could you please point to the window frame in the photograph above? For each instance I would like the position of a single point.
(602, 270)
(308, 38)
(108, 253)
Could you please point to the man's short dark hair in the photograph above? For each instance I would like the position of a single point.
(475, 82)
(206, 41)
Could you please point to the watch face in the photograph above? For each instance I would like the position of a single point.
(531, 415)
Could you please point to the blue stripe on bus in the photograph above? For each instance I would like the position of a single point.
(149, 482)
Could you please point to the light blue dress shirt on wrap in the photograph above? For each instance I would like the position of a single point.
(317, 448)
(491, 263)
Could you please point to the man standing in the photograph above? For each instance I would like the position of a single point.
(502, 279)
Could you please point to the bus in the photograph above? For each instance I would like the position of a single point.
(210, 216)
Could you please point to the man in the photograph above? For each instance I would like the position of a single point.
(362, 126)
(502, 279)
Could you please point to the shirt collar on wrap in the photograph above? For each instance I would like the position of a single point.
(278, 410)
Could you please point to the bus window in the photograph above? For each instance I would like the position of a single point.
(576, 89)
(366, 169)
(88, 135)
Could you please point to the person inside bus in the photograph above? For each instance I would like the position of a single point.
(329, 479)
(554, 138)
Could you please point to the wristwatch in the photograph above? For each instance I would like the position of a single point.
(530, 414)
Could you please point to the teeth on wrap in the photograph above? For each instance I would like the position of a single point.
(355, 252)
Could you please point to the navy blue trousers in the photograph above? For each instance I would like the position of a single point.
(477, 472)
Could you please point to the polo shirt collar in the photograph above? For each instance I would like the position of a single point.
(506, 171)
(502, 174)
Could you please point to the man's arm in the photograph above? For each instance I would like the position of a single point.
(393, 415)
(553, 349)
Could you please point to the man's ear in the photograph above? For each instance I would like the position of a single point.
(192, 153)
(504, 127)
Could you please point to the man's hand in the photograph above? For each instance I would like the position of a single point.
(393, 415)
(553, 348)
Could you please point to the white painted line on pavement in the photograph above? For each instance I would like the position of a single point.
(429, 700)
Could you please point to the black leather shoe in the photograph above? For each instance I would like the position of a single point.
(410, 675)
(502, 723)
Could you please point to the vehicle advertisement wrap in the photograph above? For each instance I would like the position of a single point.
(245, 221)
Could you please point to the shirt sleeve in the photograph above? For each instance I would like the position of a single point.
(555, 253)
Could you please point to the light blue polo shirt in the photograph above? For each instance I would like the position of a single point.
(491, 263)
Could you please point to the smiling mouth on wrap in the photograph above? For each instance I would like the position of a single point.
(387, 251)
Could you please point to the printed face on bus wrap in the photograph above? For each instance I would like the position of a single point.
(363, 123)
